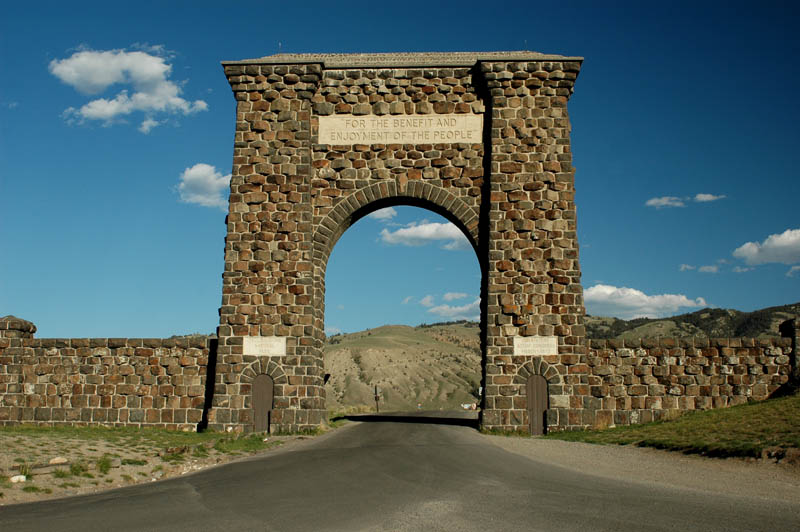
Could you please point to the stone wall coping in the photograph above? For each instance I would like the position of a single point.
(196, 342)
(424, 59)
(13, 323)
(682, 343)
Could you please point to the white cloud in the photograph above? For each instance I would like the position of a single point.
(470, 311)
(144, 79)
(739, 269)
(148, 124)
(12, 105)
(203, 185)
(665, 201)
(783, 248)
(793, 270)
(702, 198)
(628, 303)
(419, 234)
(450, 296)
(383, 214)
(407, 300)
(713, 268)
(331, 330)
(426, 301)
(674, 201)
(459, 243)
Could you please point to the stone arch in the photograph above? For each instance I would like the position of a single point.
(363, 201)
(263, 366)
(385, 194)
(537, 366)
(509, 189)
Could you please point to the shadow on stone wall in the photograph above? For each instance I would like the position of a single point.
(789, 329)
(211, 377)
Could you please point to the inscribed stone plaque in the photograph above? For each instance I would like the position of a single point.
(265, 346)
(400, 129)
(534, 346)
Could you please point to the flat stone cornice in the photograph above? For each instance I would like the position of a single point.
(392, 60)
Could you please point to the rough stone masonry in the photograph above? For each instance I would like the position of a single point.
(104, 381)
(322, 140)
(483, 139)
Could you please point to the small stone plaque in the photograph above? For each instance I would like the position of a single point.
(535, 346)
(265, 346)
(348, 130)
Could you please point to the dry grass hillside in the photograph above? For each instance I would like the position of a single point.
(710, 322)
(428, 367)
(438, 366)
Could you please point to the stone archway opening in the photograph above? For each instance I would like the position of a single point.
(413, 334)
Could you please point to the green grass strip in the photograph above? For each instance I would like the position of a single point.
(743, 430)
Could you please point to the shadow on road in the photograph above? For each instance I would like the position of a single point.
(464, 419)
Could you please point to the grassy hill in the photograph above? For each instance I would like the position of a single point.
(439, 366)
(710, 322)
(765, 428)
(434, 367)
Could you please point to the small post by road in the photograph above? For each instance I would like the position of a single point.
(377, 399)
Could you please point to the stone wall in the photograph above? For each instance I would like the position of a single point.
(108, 381)
(162, 382)
(643, 380)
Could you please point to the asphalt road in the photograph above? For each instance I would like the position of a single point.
(399, 474)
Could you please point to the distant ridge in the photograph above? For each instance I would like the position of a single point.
(709, 322)
(438, 365)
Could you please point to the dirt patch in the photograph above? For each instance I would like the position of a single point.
(65, 461)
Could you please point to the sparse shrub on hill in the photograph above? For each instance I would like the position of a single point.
(710, 322)
(466, 323)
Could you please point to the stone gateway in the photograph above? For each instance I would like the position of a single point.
(323, 140)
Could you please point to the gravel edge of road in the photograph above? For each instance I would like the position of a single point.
(289, 444)
(647, 466)
(728, 476)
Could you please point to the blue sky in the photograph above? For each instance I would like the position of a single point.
(116, 136)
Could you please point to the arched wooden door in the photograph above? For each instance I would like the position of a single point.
(262, 391)
(537, 404)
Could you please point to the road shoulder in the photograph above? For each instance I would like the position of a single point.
(132, 466)
(729, 476)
